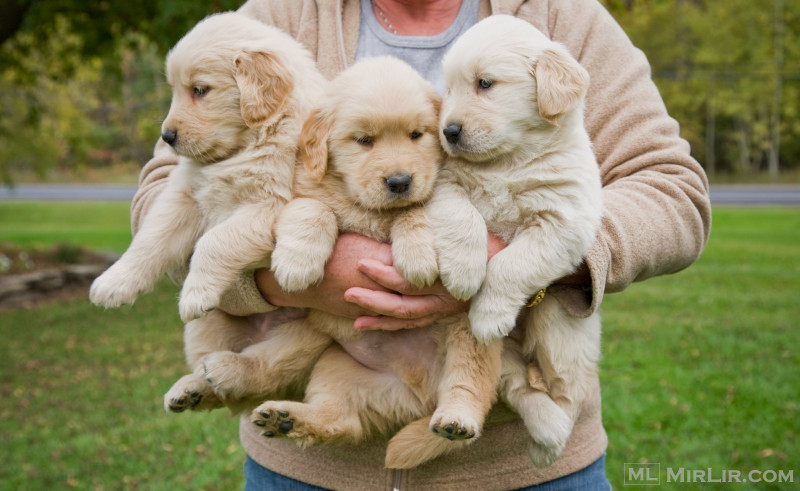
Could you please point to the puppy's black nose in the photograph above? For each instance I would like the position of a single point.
(169, 136)
(452, 132)
(398, 184)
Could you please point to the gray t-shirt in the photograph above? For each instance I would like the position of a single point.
(424, 53)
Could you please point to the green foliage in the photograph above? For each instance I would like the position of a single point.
(726, 70)
(81, 83)
(79, 120)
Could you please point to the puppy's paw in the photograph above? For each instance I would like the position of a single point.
(225, 372)
(190, 392)
(453, 426)
(273, 421)
(417, 266)
(280, 419)
(462, 276)
(296, 272)
(196, 300)
(542, 456)
(549, 434)
(116, 287)
(487, 322)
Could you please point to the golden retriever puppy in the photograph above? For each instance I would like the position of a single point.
(520, 164)
(371, 155)
(241, 91)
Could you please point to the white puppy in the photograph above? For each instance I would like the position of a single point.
(241, 91)
(520, 164)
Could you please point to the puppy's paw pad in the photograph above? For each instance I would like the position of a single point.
(179, 402)
(454, 427)
(190, 392)
(273, 422)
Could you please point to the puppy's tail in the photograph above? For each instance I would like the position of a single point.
(416, 444)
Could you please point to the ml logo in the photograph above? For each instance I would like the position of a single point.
(648, 474)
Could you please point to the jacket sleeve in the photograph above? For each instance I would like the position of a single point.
(657, 214)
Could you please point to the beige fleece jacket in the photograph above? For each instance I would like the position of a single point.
(657, 221)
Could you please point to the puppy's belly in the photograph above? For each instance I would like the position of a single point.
(398, 352)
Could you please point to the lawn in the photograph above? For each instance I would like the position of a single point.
(700, 369)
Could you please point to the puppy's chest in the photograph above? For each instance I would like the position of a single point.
(502, 208)
(220, 191)
(375, 225)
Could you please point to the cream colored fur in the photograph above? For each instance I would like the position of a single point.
(377, 122)
(241, 91)
(520, 165)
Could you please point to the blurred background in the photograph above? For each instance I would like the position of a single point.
(83, 92)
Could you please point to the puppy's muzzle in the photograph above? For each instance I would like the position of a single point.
(169, 136)
(398, 184)
(452, 132)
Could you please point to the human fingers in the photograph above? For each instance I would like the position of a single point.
(385, 323)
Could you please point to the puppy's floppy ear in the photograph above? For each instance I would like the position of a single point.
(561, 83)
(264, 85)
(313, 144)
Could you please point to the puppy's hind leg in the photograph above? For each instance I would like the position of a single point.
(566, 350)
(283, 358)
(465, 393)
(216, 332)
(468, 387)
(332, 408)
(548, 425)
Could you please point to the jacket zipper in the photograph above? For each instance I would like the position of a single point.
(397, 479)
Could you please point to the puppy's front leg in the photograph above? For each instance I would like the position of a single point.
(243, 240)
(534, 259)
(412, 248)
(460, 240)
(165, 239)
(305, 233)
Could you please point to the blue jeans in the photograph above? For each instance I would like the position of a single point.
(592, 478)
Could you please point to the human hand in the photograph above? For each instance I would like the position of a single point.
(402, 305)
(361, 283)
(341, 273)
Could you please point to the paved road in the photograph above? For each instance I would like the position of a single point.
(67, 192)
(720, 195)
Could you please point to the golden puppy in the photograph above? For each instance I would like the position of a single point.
(241, 91)
(520, 164)
(371, 156)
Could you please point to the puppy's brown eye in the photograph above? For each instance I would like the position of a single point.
(484, 84)
(415, 135)
(199, 91)
(364, 141)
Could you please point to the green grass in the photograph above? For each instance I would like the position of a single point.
(98, 225)
(700, 369)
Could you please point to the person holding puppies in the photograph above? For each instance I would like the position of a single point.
(656, 221)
